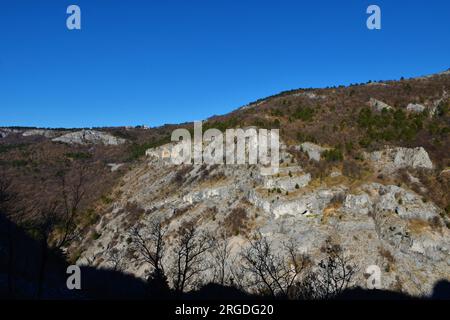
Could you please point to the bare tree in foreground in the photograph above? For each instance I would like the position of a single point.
(115, 258)
(72, 194)
(333, 275)
(55, 222)
(273, 273)
(221, 260)
(6, 199)
(149, 243)
(190, 251)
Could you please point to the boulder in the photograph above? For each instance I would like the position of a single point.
(378, 105)
(413, 107)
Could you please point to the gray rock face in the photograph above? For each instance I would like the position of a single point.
(310, 95)
(435, 105)
(358, 204)
(288, 183)
(310, 204)
(314, 151)
(378, 105)
(205, 194)
(40, 132)
(413, 107)
(392, 159)
(89, 137)
(4, 132)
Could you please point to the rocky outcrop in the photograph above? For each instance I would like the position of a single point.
(205, 194)
(415, 107)
(436, 104)
(378, 105)
(314, 151)
(288, 183)
(89, 137)
(358, 204)
(311, 204)
(379, 198)
(40, 132)
(392, 159)
(4, 132)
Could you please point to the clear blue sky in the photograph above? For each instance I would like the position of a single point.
(168, 61)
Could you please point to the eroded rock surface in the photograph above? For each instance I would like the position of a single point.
(89, 137)
(392, 159)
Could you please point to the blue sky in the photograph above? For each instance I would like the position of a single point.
(169, 61)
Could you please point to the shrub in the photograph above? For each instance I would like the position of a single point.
(303, 113)
(333, 155)
(96, 235)
(78, 155)
(137, 150)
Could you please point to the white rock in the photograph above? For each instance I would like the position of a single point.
(288, 183)
(392, 159)
(89, 137)
(415, 158)
(4, 132)
(313, 150)
(358, 204)
(114, 166)
(335, 174)
(40, 132)
(204, 194)
(378, 105)
(413, 107)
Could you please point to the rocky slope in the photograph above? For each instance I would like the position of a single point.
(377, 223)
(89, 137)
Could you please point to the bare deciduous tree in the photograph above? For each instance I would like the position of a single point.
(333, 275)
(55, 220)
(189, 263)
(273, 273)
(150, 245)
(221, 259)
(71, 195)
(116, 258)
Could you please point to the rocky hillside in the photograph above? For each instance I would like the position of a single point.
(378, 222)
(363, 167)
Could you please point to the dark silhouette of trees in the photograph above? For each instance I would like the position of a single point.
(221, 260)
(149, 243)
(7, 196)
(333, 275)
(55, 221)
(115, 257)
(273, 272)
(189, 263)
